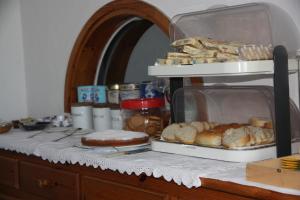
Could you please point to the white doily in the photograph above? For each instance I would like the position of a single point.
(183, 170)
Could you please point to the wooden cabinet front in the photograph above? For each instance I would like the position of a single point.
(29, 177)
(48, 183)
(9, 172)
(106, 190)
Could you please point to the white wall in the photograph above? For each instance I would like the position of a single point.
(50, 29)
(13, 102)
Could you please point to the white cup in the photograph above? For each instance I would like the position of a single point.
(116, 119)
(102, 119)
(82, 117)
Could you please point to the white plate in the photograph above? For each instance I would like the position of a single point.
(114, 149)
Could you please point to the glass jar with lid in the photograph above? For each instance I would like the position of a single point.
(143, 115)
(129, 91)
(113, 94)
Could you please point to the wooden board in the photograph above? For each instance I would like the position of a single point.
(270, 172)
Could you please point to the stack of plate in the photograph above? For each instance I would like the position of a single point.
(292, 162)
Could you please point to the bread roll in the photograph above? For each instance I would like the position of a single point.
(186, 134)
(257, 135)
(168, 133)
(268, 125)
(258, 121)
(223, 127)
(260, 136)
(270, 135)
(206, 126)
(236, 138)
(212, 125)
(198, 125)
(209, 138)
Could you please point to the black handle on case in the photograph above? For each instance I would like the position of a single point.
(281, 98)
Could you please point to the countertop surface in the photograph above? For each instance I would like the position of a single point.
(65, 147)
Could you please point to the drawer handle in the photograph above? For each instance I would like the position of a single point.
(43, 183)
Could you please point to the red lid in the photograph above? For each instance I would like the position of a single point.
(143, 103)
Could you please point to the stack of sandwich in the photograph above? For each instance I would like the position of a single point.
(198, 50)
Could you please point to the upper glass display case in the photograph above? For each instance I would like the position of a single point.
(262, 26)
(229, 41)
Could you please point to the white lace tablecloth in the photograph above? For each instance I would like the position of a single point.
(183, 170)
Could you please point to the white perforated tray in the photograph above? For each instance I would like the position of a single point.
(219, 69)
(233, 155)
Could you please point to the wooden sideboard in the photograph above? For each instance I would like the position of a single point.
(29, 177)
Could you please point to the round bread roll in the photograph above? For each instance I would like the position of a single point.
(186, 134)
(236, 138)
(198, 125)
(212, 125)
(257, 136)
(268, 125)
(258, 121)
(209, 138)
(222, 128)
(168, 133)
(206, 126)
(182, 124)
(270, 135)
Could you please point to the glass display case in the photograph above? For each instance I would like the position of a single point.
(239, 40)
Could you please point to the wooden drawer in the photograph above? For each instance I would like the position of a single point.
(48, 183)
(93, 188)
(9, 172)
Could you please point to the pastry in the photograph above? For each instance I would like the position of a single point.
(177, 55)
(256, 52)
(199, 50)
(191, 50)
(204, 54)
(194, 42)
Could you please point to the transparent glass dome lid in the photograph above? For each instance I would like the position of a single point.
(255, 23)
(229, 104)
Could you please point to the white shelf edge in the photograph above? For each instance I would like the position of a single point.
(242, 68)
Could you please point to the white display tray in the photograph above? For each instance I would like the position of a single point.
(232, 155)
(219, 69)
